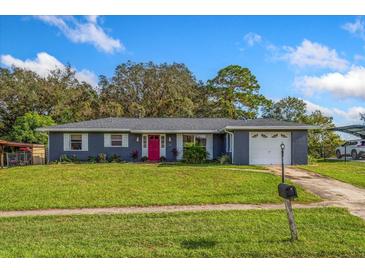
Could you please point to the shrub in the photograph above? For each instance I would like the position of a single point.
(195, 154)
(162, 159)
(91, 159)
(134, 154)
(65, 159)
(74, 158)
(144, 159)
(115, 158)
(225, 159)
(101, 158)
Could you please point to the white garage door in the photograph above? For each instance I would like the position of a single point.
(265, 148)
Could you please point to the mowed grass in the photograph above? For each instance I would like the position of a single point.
(350, 172)
(108, 185)
(325, 232)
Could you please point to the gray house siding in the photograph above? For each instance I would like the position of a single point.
(299, 147)
(241, 147)
(96, 146)
(170, 145)
(218, 145)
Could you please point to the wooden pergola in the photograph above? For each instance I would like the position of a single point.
(4, 144)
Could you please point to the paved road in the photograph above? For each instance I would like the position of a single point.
(331, 190)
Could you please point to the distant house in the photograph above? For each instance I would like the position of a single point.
(253, 142)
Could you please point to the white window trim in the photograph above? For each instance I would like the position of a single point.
(162, 150)
(70, 146)
(145, 149)
(108, 139)
(121, 135)
(208, 144)
(67, 142)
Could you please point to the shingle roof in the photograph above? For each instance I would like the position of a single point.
(170, 124)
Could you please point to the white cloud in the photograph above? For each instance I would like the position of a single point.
(357, 28)
(87, 31)
(359, 58)
(351, 115)
(349, 84)
(252, 38)
(311, 54)
(44, 64)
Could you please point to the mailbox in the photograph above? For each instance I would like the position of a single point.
(287, 191)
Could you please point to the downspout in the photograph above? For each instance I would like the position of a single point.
(232, 143)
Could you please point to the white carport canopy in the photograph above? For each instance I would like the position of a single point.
(357, 130)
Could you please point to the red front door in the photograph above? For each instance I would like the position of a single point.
(153, 147)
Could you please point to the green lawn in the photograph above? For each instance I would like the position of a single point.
(350, 172)
(107, 185)
(326, 232)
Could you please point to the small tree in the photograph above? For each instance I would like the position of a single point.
(24, 129)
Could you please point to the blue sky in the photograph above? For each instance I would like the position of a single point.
(320, 59)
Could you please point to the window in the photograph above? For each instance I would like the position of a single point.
(144, 141)
(76, 142)
(162, 140)
(188, 140)
(199, 140)
(116, 140)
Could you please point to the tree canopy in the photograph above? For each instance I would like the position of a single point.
(24, 128)
(287, 109)
(28, 101)
(234, 93)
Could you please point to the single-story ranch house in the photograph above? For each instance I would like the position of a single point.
(251, 142)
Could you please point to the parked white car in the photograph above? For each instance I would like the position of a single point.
(355, 149)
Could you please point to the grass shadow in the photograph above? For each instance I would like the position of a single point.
(197, 244)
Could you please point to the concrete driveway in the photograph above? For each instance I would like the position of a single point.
(332, 191)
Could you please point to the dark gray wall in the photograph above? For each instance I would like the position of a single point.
(241, 147)
(218, 145)
(170, 157)
(299, 148)
(96, 146)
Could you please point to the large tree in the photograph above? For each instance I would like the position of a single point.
(287, 109)
(149, 90)
(24, 128)
(60, 95)
(322, 142)
(234, 93)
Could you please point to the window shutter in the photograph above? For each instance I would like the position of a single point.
(66, 142)
(107, 140)
(125, 140)
(85, 142)
(179, 146)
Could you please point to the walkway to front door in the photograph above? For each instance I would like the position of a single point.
(153, 147)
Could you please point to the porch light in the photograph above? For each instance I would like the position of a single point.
(137, 139)
(169, 139)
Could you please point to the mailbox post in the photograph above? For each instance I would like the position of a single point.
(288, 192)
